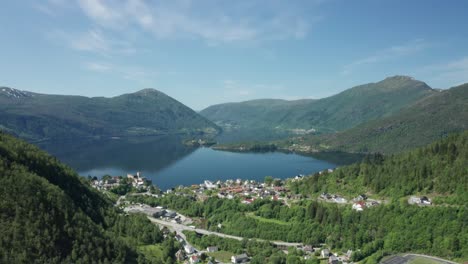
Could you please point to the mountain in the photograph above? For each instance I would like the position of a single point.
(429, 119)
(36, 116)
(336, 113)
(49, 214)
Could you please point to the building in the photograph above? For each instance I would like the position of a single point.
(359, 206)
(212, 249)
(419, 200)
(332, 260)
(194, 259)
(170, 214)
(210, 185)
(325, 253)
(189, 249)
(242, 258)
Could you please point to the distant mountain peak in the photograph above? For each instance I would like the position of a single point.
(401, 77)
(148, 91)
(14, 93)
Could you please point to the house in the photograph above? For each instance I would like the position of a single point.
(170, 214)
(242, 258)
(339, 199)
(194, 259)
(325, 253)
(348, 255)
(179, 238)
(359, 206)
(419, 200)
(361, 197)
(332, 260)
(212, 249)
(308, 249)
(189, 249)
(210, 185)
(247, 201)
(158, 212)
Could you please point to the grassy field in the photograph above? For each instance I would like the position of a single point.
(152, 253)
(223, 256)
(266, 220)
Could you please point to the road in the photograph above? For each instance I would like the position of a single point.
(407, 257)
(179, 228)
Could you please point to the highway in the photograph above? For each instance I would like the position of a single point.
(179, 228)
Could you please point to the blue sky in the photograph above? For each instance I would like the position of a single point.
(208, 52)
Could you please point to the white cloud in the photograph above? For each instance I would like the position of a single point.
(212, 21)
(387, 54)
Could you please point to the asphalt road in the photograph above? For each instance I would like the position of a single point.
(179, 228)
(406, 258)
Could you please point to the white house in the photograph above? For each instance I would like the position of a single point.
(212, 249)
(242, 258)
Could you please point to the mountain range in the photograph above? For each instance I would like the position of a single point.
(389, 116)
(335, 113)
(35, 116)
(429, 119)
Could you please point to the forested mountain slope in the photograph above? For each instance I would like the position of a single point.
(147, 112)
(49, 215)
(431, 118)
(344, 110)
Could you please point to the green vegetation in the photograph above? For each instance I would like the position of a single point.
(436, 170)
(147, 112)
(266, 220)
(261, 252)
(224, 256)
(428, 120)
(50, 215)
(344, 110)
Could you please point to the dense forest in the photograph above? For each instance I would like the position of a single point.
(438, 170)
(49, 215)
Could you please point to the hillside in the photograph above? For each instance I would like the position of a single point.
(431, 118)
(147, 112)
(49, 215)
(336, 113)
(389, 226)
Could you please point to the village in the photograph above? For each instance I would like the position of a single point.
(247, 192)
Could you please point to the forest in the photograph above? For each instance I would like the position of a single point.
(48, 214)
(438, 170)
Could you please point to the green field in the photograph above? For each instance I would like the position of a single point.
(266, 220)
(224, 256)
(152, 253)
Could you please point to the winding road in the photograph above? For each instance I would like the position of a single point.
(179, 228)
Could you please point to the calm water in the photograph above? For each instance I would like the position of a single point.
(168, 163)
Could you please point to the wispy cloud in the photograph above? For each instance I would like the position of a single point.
(387, 54)
(212, 21)
(97, 67)
(96, 41)
(142, 75)
(448, 74)
(50, 7)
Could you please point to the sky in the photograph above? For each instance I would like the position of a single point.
(205, 52)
